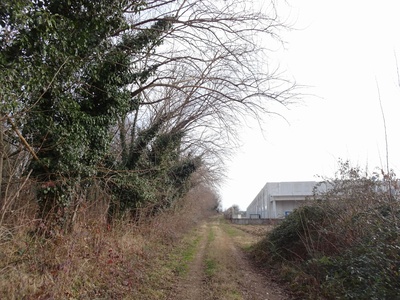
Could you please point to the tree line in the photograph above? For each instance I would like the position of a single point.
(139, 99)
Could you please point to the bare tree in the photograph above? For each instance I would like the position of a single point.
(173, 76)
(212, 71)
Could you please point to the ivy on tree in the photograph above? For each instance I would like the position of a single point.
(67, 78)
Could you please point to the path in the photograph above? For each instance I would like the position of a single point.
(221, 270)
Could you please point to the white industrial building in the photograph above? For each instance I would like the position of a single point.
(278, 199)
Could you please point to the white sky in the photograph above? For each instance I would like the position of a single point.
(341, 50)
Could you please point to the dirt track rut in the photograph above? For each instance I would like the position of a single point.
(221, 270)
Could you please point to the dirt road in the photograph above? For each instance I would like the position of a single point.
(220, 269)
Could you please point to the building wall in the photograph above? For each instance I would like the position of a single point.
(276, 199)
(259, 205)
(283, 208)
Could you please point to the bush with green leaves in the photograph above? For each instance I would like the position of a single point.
(67, 77)
(286, 241)
(347, 239)
(130, 94)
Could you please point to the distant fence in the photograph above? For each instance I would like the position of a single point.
(251, 221)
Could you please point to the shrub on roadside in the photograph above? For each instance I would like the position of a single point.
(345, 244)
(286, 240)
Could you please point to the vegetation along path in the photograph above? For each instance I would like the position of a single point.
(219, 268)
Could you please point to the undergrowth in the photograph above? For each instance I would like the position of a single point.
(124, 260)
(344, 244)
(182, 256)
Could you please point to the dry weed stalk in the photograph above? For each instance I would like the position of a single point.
(96, 260)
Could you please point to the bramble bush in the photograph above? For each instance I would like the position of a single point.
(344, 243)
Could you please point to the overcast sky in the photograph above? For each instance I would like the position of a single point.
(344, 51)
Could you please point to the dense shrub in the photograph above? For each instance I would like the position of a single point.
(346, 244)
(287, 240)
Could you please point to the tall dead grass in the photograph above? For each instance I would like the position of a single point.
(96, 259)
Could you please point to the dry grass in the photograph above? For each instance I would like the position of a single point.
(94, 261)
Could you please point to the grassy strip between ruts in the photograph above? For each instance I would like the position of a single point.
(165, 270)
(218, 266)
(230, 230)
(184, 254)
(210, 263)
(245, 236)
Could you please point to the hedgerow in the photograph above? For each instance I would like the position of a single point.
(344, 243)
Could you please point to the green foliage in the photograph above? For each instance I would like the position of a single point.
(155, 175)
(286, 240)
(75, 74)
(138, 146)
(66, 79)
(370, 268)
(347, 244)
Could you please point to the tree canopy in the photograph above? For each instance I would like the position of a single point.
(138, 95)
